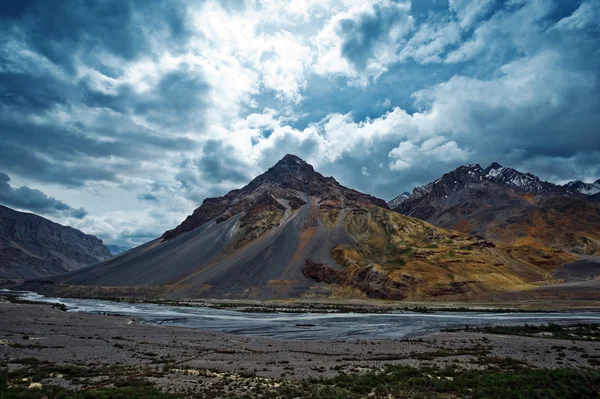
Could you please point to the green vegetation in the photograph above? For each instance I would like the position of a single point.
(408, 382)
(501, 379)
(123, 382)
(129, 392)
(577, 332)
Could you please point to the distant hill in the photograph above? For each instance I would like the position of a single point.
(505, 205)
(116, 249)
(292, 232)
(31, 246)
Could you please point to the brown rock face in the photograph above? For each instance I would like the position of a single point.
(323, 274)
(31, 246)
(454, 288)
(374, 284)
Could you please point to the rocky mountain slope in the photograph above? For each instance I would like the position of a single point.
(292, 232)
(505, 205)
(31, 246)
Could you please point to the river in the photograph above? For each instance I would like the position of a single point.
(308, 326)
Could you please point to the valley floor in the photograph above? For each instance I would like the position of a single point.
(45, 348)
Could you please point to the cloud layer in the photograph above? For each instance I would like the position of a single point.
(138, 110)
(34, 200)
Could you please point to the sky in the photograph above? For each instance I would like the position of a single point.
(119, 117)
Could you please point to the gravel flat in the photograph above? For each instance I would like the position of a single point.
(50, 334)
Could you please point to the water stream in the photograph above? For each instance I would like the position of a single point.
(308, 326)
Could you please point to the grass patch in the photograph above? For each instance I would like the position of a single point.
(127, 392)
(505, 379)
(400, 381)
(576, 332)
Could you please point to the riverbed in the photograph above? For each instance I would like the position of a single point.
(307, 325)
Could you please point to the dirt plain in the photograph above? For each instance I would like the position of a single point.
(183, 360)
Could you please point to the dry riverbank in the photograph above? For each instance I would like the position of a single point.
(181, 359)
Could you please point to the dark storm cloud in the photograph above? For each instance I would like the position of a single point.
(133, 237)
(219, 163)
(64, 154)
(218, 170)
(361, 35)
(147, 197)
(59, 30)
(397, 85)
(580, 166)
(23, 161)
(26, 91)
(172, 102)
(43, 41)
(34, 200)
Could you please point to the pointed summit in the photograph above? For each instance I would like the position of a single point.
(398, 200)
(290, 165)
(493, 166)
(291, 159)
(287, 186)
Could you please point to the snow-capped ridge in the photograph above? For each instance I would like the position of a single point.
(399, 199)
(578, 186)
(506, 177)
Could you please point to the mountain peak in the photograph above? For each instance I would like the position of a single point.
(493, 166)
(285, 187)
(578, 186)
(290, 159)
(398, 200)
(292, 165)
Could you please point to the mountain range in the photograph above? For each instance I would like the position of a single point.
(31, 246)
(505, 205)
(292, 232)
(117, 249)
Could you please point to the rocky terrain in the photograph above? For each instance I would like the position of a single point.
(31, 246)
(293, 233)
(46, 351)
(507, 206)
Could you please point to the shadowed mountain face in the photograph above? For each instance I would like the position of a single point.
(508, 206)
(292, 232)
(31, 246)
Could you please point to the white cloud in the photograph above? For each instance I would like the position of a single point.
(434, 150)
(350, 45)
(429, 43)
(506, 30)
(587, 16)
(469, 12)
